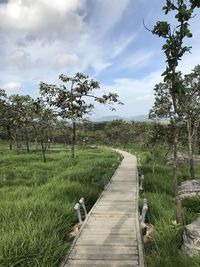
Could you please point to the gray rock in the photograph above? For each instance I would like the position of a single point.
(183, 159)
(191, 237)
(189, 188)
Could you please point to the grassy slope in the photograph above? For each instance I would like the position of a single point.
(164, 250)
(37, 201)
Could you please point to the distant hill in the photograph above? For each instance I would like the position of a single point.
(107, 118)
(112, 118)
(138, 118)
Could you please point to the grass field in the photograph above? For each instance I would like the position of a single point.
(4, 145)
(164, 250)
(37, 201)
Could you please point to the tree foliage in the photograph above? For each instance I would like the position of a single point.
(70, 100)
(174, 49)
(75, 98)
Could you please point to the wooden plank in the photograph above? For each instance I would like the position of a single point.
(128, 250)
(108, 229)
(109, 216)
(105, 253)
(115, 240)
(117, 197)
(102, 256)
(117, 208)
(112, 223)
(103, 263)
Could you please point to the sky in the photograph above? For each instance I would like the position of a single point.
(104, 39)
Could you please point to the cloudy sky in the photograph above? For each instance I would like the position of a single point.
(105, 39)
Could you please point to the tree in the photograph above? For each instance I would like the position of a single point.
(191, 110)
(61, 132)
(3, 110)
(44, 119)
(73, 99)
(118, 132)
(9, 120)
(157, 140)
(23, 116)
(7, 116)
(188, 108)
(174, 50)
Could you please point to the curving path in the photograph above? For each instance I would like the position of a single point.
(111, 235)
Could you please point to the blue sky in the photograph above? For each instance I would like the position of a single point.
(105, 39)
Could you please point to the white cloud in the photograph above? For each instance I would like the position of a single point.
(43, 38)
(190, 60)
(136, 87)
(40, 35)
(64, 60)
(64, 6)
(12, 88)
(41, 15)
(137, 60)
(144, 98)
(99, 65)
(136, 94)
(107, 13)
(16, 59)
(121, 44)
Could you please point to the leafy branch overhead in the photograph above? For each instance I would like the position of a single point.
(71, 99)
(171, 95)
(188, 104)
(173, 47)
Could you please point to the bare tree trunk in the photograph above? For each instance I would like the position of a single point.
(191, 160)
(153, 167)
(16, 139)
(48, 138)
(73, 139)
(11, 144)
(27, 140)
(11, 138)
(36, 143)
(175, 179)
(43, 151)
(195, 142)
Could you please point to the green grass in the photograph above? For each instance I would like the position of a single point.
(164, 250)
(37, 201)
(4, 145)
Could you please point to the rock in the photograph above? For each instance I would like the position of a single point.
(189, 188)
(143, 228)
(183, 159)
(191, 237)
(74, 231)
(148, 238)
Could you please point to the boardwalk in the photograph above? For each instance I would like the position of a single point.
(111, 236)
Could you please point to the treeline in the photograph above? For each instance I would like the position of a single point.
(41, 119)
(24, 121)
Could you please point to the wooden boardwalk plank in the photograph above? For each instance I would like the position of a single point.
(114, 240)
(111, 235)
(90, 251)
(103, 263)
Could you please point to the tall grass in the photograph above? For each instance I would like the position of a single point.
(164, 250)
(37, 201)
